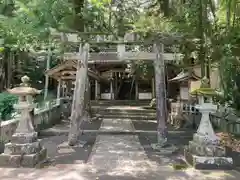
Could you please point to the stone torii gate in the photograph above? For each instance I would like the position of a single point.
(158, 57)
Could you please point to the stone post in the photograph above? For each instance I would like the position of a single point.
(153, 88)
(136, 89)
(159, 67)
(25, 149)
(96, 90)
(59, 89)
(204, 151)
(111, 89)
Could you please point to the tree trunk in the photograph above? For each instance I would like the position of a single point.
(160, 95)
(201, 37)
(78, 109)
(9, 69)
(78, 19)
(49, 56)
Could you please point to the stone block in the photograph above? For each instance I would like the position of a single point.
(42, 155)
(206, 150)
(22, 138)
(31, 160)
(208, 163)
(28, 148)
(202, 139)
(7, 160)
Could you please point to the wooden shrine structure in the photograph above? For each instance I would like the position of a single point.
(65, 72)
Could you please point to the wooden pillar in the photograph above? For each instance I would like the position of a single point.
(63, 89)
(115, 84)
(121, 50)
(111, 89)
(96, 90)
(59, 89)
(111, 86)
(153, 88)
(99, 90)
(78, 108)
(136, 89)
(160, 94)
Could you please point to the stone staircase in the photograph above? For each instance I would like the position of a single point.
(123, 117)
(113, 117)
(134, 110)
(120, 103)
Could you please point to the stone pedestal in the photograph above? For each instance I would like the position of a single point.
(204, 151)
(25, 149)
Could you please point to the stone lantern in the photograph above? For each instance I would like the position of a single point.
(204, 151)
(24, 149)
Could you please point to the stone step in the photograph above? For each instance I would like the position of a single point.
(120, 102)
(129, 116)
(119, 110)
(125, 113)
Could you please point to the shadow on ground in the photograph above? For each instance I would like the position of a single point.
(59, 152)
(112, 157)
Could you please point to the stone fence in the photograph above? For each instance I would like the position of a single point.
(227, 122)
(44, 117)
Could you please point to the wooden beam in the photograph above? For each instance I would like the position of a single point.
(138, 56)
(93, 56)
(150, 56)
(93, 38)
(68, 77)
(113, 56)
(64, 72)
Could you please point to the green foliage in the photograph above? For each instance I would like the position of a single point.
(6, 105)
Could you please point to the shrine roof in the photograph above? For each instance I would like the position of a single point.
(67, 71)
(185, 76)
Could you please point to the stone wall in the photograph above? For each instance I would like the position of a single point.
(44, 117)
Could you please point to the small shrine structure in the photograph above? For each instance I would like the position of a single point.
(183, 109)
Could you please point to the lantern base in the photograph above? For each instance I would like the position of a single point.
(26, 160)
(24, 137)
(25, 150)
(208, 163)
(202, 153)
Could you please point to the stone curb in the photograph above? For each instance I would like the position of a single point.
(57, 133)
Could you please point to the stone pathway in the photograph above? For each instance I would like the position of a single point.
(116, 125)
(113, 157)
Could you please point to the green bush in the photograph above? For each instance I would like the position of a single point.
(6, 105)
